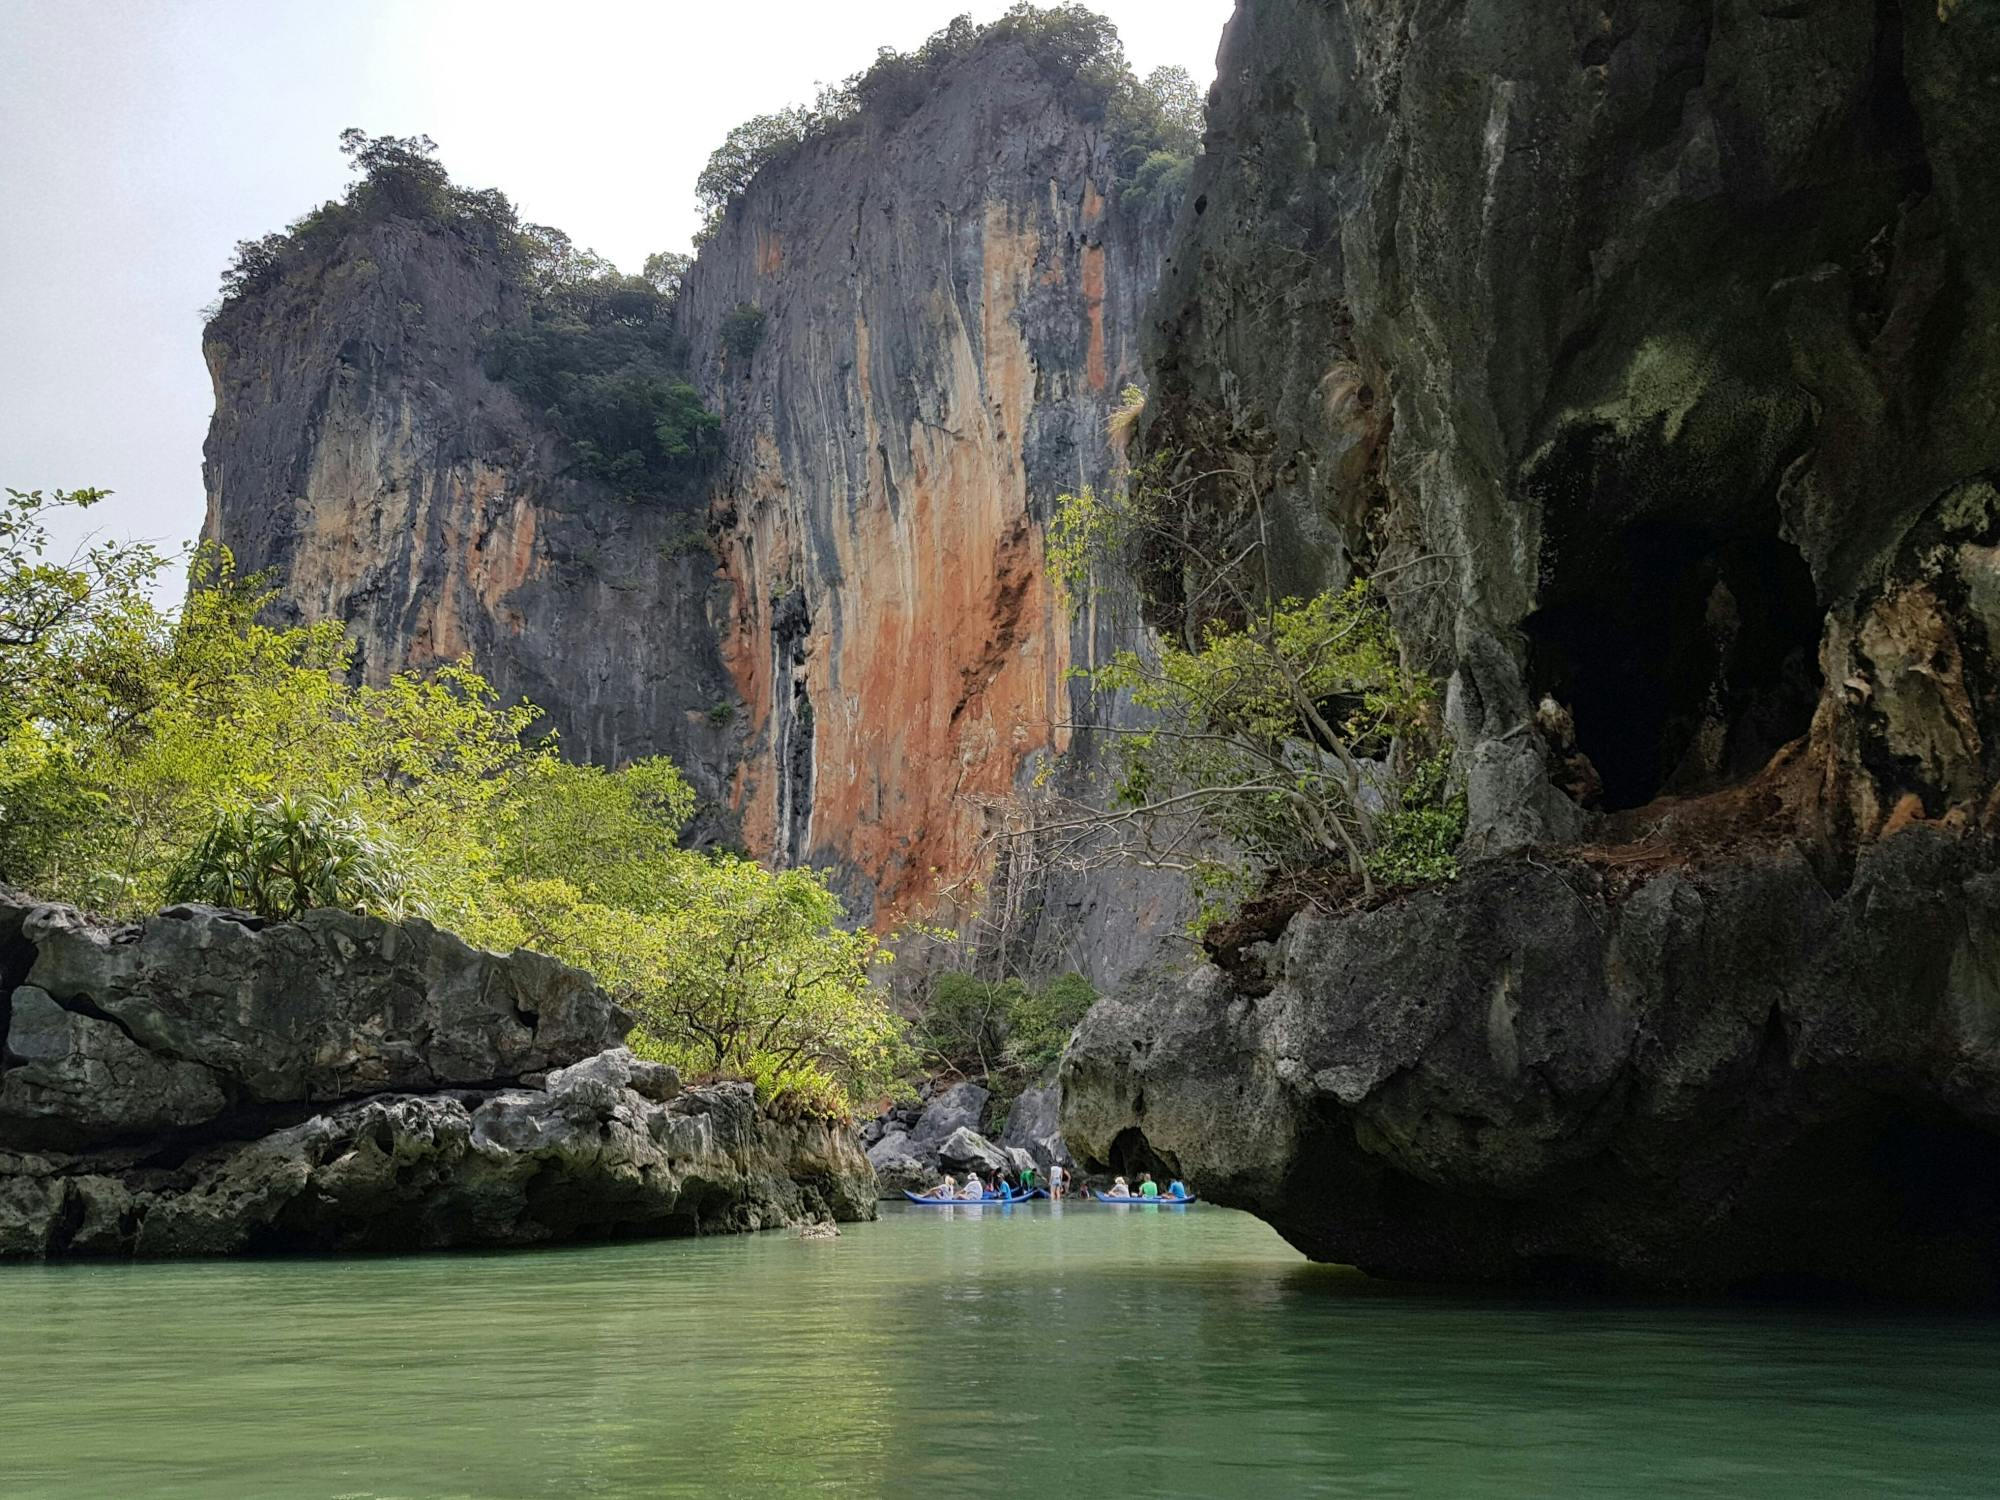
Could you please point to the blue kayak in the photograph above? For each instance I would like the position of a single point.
(964, 1202)
(1163, 1201)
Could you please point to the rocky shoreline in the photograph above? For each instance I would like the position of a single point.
(207, 1083)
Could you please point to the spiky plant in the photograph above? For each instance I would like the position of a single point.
(286, 857)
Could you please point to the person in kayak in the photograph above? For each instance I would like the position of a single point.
(974, 1188)
(1177, 1189)
(1147, 1187)
(946, 1189)
(1119, 1188)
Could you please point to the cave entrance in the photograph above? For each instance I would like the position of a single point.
(1686, 653)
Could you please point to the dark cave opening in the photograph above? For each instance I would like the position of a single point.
(1892, 1202)
(1686, 654)
(1131, 1153)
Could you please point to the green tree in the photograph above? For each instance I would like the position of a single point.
(208, 755)
(666, 270)
(743, 153)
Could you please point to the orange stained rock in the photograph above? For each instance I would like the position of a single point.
(947, 670)
(1093, 294)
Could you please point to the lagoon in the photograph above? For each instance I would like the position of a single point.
(1042, 1350)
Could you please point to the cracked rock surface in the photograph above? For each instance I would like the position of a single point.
(205, 1083)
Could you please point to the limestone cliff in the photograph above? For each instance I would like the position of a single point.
(361, 452)
(950, 308)
(943, 309)
(1650, 354)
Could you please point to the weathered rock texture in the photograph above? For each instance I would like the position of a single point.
(360, 451)
(204, 1083)
(951, 306)
(1561, 1073)
(1650, 355)
(1666, 334)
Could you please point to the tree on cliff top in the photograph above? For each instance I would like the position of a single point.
(592, 350)
(1076, 49)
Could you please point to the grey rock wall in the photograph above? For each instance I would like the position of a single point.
(1649, 355)
(205, 1083)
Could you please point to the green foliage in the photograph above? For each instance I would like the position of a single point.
(743, 330)
(666, 270)
(1284, 735)
(598, 356)
(689, 539)
(1077, 49)
(397, 177)
(284, 858)
(733, 971)
(1418, 838)
(149, 757)
(1004, 1032)
(743, 153)
(1162, 177)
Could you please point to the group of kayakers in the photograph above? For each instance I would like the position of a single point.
(1147, 1188)
(1056, 1183)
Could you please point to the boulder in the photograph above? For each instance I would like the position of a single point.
(1692, 1079)
(968, 1151)
(956, 1108)
(1034, 1125)
(130, 1030)
(900, 1165)
(75, 1077)
(585, 1157)
(204, 1083)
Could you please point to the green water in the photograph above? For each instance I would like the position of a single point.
(1044, 1352)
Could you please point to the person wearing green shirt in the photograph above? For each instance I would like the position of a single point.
(1147, 1187)
(1027, 1179)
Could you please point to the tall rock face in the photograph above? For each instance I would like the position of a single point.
(1650, 356)
(360, 451)
(1649, 339)
(915, 333)
(949, 308)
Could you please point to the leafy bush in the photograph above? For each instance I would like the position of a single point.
(598, 356)
(147, 757)
(286, 857)
(398, 177)
(1417, 839)
(1286, 736)
(1003, 1032)
(1162, 178)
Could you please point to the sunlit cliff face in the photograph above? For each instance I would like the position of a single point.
(898, 441)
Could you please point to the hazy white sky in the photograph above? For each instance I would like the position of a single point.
(140, 139)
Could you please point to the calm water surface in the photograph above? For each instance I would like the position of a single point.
(1084, 1351)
